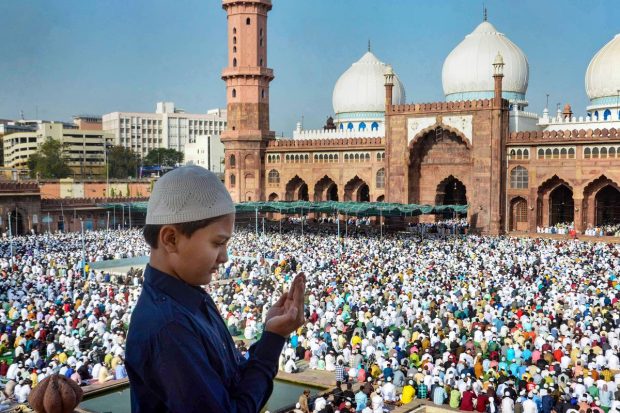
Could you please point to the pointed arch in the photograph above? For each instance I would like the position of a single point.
(451, 191)
(357, 190)
(325, 189)
(439, 127)
(296, 189)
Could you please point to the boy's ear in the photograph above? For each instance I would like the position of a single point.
(169, 238)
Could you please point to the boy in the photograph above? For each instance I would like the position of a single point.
(180, 355)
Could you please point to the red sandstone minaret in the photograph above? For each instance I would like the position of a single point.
(247, 94)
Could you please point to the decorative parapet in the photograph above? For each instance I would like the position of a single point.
(563, 135)
(524, 114)
(444, 106)
(588, 122)
(319, 143)
(338, 134)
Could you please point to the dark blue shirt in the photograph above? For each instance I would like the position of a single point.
(181, 358)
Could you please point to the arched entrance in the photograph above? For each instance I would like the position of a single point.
(518, 214)
(325, 190)
(607, 206)
(356, 190)
(432, 153)
(451, 191)
(561, 206)
(296, 190)
(273, 196)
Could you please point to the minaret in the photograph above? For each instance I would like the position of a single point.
(247, 95)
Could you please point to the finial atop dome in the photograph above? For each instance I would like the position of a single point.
(484, 12)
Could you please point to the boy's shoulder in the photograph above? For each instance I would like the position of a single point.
(153, 312)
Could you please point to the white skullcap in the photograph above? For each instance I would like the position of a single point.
(187, 194)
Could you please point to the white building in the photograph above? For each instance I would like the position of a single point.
(169, 127)
(206, 151)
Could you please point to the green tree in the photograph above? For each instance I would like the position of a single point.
(49, 161)
(163, 157)
(122, 162)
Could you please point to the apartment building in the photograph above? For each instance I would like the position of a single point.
(169, 127)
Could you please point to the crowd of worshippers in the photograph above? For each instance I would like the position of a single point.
(57, 317)
(476, 323)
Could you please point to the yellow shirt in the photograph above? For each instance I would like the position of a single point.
(62, 358)
(356, 340)
(408, 394)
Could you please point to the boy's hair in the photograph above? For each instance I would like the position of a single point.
(151, 232)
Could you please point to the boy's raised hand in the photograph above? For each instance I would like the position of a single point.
(287, 314)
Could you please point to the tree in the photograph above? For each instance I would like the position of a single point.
(122, 162)
(163, 157)
(49, 161)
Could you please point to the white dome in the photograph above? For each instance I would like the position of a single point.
(603, 74)
(468, 70)
(362, 87)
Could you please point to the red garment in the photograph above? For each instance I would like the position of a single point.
(4, 368)
(467, 402)
(481, 403)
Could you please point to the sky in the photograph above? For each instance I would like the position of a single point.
(66, 57)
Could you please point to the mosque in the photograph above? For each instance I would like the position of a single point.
(516, 170)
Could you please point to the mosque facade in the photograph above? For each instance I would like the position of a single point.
(516, 170)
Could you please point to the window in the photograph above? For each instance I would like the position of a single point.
(606, 114)
(513, 154)
(381, 178)
(262, 92)
(519, 178)
(612, 152)
(247, 21)
(350, 126)
(556, 153)
(234, 93)
(235, 40)
(374, 126)
(233, 180)
(571, 153)
(273, 177)
(234, 30)
(563, 153)
(603, 152)
(232, 161)
(541, 154)
(595, 153)
(526, 154)
(586, 153)
(235, 62)
(362, 126)
(548, 154)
